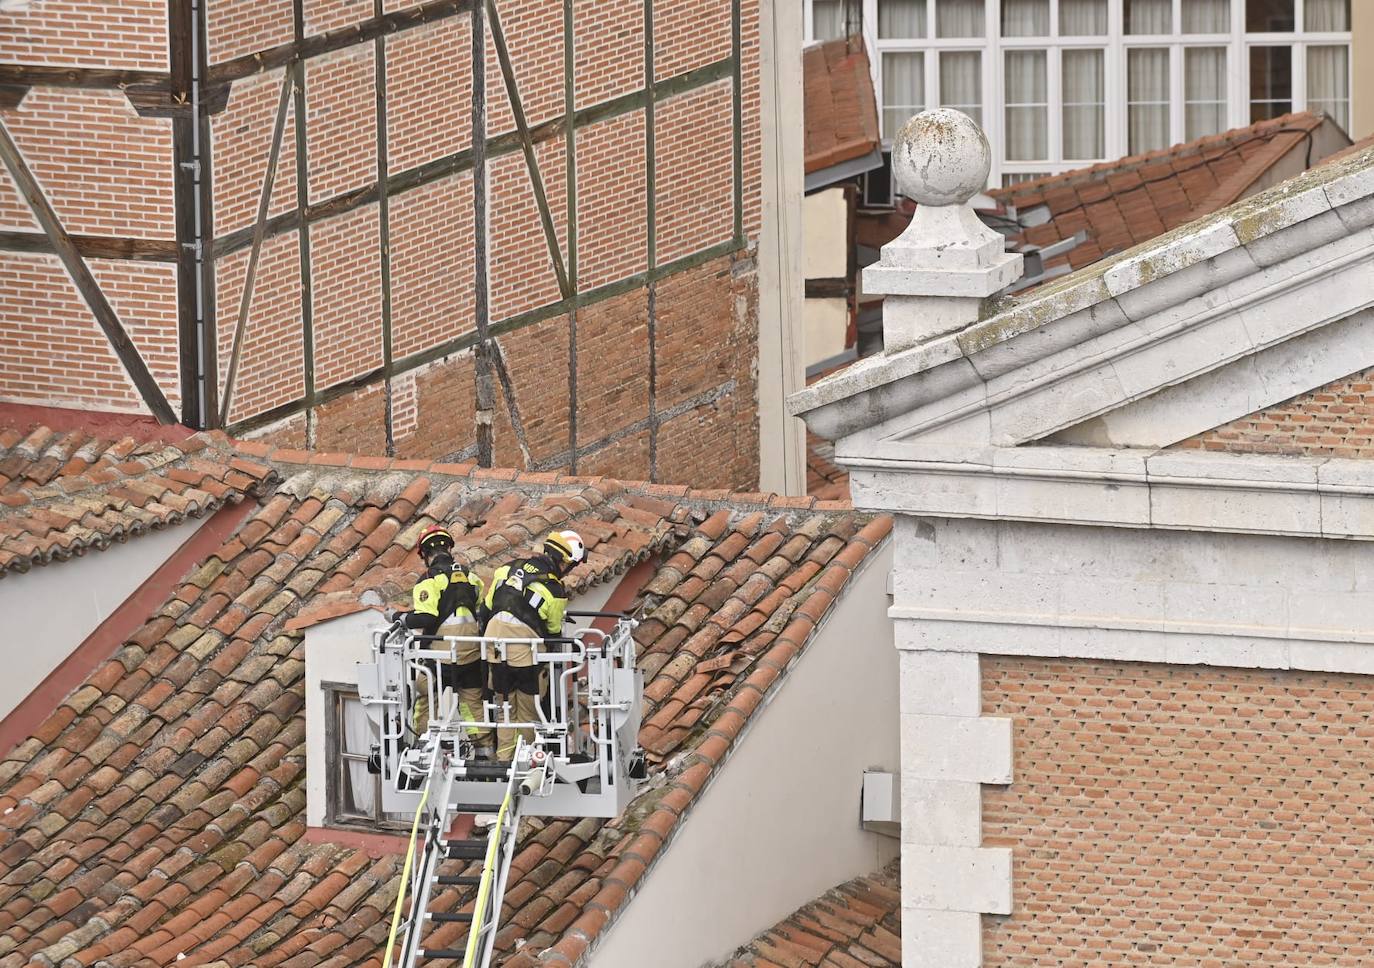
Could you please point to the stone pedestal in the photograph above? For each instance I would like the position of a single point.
(937, 273)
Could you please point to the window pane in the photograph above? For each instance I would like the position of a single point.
(1147, 99)
(904, 88)
(959, 18)
(1084, 104)
(1017, 177)
(1204, 91)
(827, 19)
(1326, 15)
(1025, 18)
(1263, 16)
(901, 18)
(1271, 82)
(1328, 82)
(1149, 16)
(358, 787)
(1083, 18)
(1027, 108)
(1207, 17)
(961, 82)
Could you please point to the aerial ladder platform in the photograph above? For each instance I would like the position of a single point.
(583, 761)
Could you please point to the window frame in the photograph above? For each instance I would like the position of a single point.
(335, 696)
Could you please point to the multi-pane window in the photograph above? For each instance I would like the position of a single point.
(1060, 83)
(827, 19)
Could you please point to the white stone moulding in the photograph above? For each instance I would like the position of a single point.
(949, 750)
(1173, 490)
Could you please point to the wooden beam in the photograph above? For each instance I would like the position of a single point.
(12, 95)
(304, 48)
(85, 282)
(541, 200)
(94, 246)
(38, 75)
(269, 179)
(485, 404)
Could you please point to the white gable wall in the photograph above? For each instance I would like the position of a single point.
(780, 822)
(50, 610)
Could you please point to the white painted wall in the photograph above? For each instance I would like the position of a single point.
(827, 321)
(782, 437)
(825, 234)
(333, 650)
(780, 823)
(51, 610)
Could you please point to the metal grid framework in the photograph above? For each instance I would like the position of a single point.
(193, 90)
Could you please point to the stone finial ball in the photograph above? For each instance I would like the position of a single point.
(941, 157)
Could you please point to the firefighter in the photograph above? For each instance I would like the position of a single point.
(446, 601)
(526, 601)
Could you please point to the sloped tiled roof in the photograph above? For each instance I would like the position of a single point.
(63, 493)
(1137, 198)
(159, 812)
(855, 925)
(841, 115)
(825, 480)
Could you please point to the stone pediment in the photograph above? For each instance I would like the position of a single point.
(1082, 385)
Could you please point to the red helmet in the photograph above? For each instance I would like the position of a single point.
(434, 538)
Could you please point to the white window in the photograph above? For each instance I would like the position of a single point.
(1147, 99)
(1027, 100)
(1085, 104)
(961, 82)
(1328, 81)
(1204, 91)
(1061, 83)
(827, 19)
(904, 88)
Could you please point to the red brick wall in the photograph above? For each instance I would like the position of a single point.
(1171, 815)
(557, 376)
(1334, 421)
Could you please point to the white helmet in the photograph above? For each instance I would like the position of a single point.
(566, 547)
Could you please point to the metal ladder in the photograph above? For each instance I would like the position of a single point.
(496, 852)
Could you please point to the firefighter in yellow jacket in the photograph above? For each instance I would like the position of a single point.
(526, 601)
(446, 601)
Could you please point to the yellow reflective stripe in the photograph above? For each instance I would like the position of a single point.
(405, 876)
(484, 890)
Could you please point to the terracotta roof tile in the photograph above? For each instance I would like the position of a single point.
(855, 924)
(840, 109)
(68, 492)
(1140, 197)
(159, 811)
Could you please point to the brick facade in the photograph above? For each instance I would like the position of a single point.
(1336, 420)
(647, 377)
(1166, 815)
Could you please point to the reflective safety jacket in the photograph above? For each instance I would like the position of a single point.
(531, 591)
(449, 596)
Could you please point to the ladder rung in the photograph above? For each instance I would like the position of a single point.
(475, 808)
(450, 918)
(458, 880)
(466, 849)
(443, 953)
